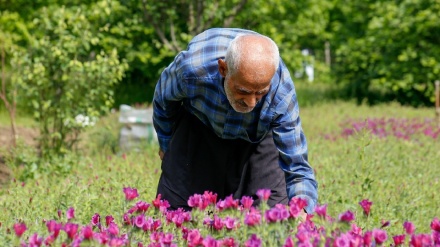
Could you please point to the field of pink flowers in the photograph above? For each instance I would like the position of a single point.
(378, 185)
(211, 223)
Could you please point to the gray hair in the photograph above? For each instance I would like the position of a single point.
(234, 53)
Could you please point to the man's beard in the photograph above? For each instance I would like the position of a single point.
(237, 105)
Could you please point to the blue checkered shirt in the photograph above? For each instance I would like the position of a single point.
(193, 81)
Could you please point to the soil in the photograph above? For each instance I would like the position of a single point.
(25, 135)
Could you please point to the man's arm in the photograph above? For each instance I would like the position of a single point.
(292, 145)
(168, 95)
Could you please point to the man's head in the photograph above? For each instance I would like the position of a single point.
(250, 63)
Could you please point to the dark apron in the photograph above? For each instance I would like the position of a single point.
(198, 160)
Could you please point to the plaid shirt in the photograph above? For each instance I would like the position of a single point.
(194, 82)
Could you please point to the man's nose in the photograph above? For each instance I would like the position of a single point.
(251, 101)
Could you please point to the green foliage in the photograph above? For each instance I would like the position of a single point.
(63, 76)
(394, 54)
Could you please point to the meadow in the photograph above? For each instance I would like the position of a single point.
(387, 155)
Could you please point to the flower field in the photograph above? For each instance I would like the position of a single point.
(378, 170)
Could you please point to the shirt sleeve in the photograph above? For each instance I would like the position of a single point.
(168, 95)
(291, 142)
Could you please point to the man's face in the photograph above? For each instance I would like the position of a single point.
(244, 90)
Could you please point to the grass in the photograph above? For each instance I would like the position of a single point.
(400, 177)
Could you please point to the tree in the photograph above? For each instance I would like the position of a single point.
(64, 78)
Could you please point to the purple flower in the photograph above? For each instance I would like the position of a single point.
(113, 229)
(253, 241)
(71, 229)
(96, 219)
(399, 240)
(380, 236)
(34, 240)
(194, 238)
(252, 218)
(247, 202)
(420, 240)
(109, 219)
(230, 223)
(368, 238)
(346, 216)
(435, 225)
(87, 232)
(366, 206)
(289, 242)
(209, 242)
(70, 214)
(139, 221)
(130, 193)
(263, 194)
(409, 227)
(53, 227)
(321, 210)
(19, 229)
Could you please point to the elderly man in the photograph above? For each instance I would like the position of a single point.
(227, 120)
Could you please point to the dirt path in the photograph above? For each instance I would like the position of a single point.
(26, 135)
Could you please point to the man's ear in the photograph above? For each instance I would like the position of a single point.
(222, 67)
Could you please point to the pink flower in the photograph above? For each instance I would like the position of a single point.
(87, 232)
(228, 242)
(96, 219)
(113, 229)
(194, 238)
(230, 223)
(130, 193)
(399, 240)
(321, 210)
(420, 240)
(277, 213)
(368, 237)
(142, 206)
(263, 194)
(435, 225)
(49, 240)
(366, 206)
(109, 219)
(139, 220)
(380, 236)
(70, 214)
(436, 237)
(210, 197)
(127, 220)
(229, 202)
(409, 227)
(162, 205)
(71, 229)
(209, 242)
(19, 229)
(54, 227)
(166, 239)
(247, 202)
(297, 205)
(218, 223)
(253, 241)
(252, 218)
(198, 201)
(289, 242)
(346, 217)
(34, 240)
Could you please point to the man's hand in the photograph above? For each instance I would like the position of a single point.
(303, 216)
(161, 153)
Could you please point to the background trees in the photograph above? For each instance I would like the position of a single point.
(85, 56)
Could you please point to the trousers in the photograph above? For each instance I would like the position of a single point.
(197, 160)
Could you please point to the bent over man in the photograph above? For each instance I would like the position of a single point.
(227, 120)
